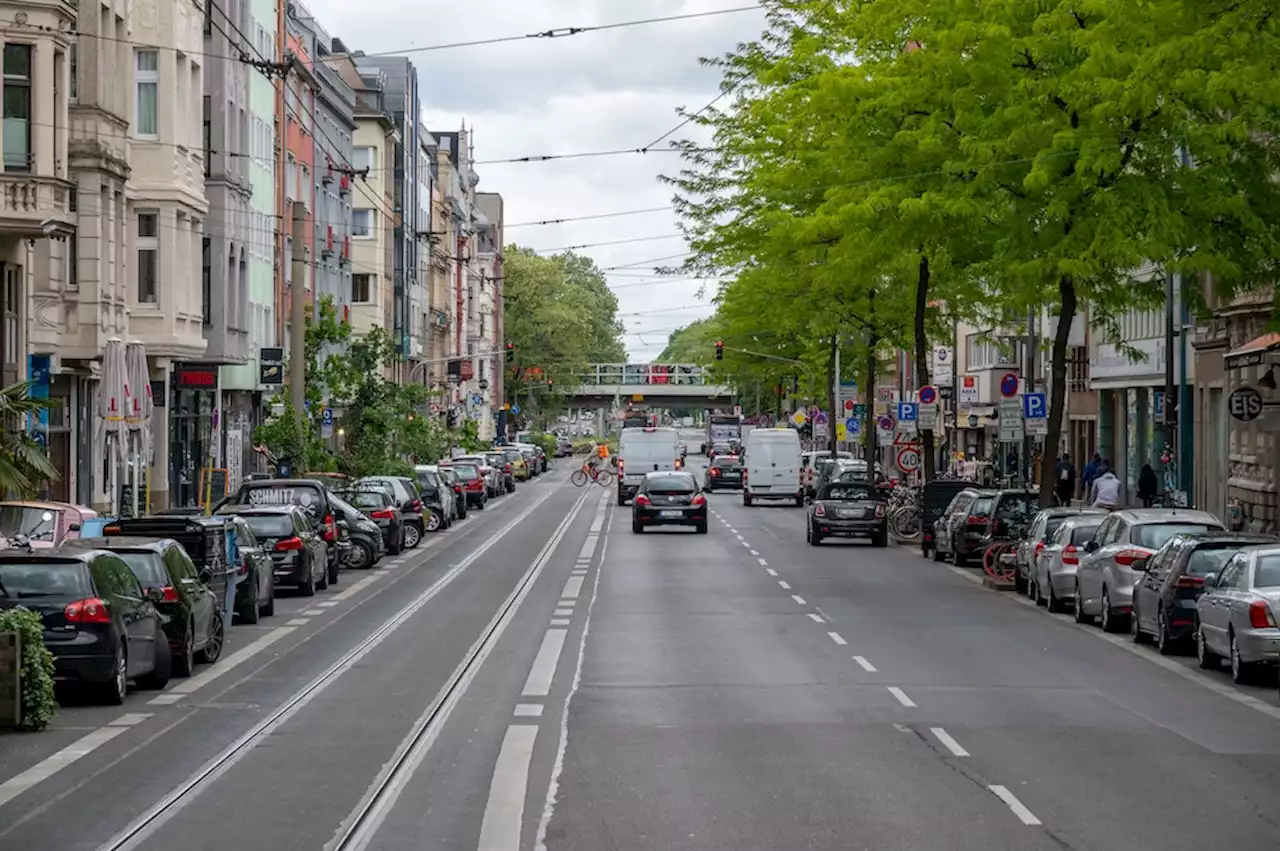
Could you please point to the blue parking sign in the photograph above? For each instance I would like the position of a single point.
(907, 412)
(326, 417)
(1034, 407)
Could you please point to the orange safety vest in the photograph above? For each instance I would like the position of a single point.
(602, 451)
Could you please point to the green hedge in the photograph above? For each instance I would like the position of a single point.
(39, 704)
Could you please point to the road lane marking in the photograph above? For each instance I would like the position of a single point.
(771, 571)
(328, 604)
(129, 719)
(799, 599)
(837, 638)
(588, 548)
(865, 665)
(816, 618)
(560, 621)
(313, 612)
(902, 697)
(224, 666)
(948, 741)
(529, 710)
(572, 588)
(355, 589)
(763, 563)
(1019, 809)
(563, 613)
(544, 664)
(51, 765)
(504, 811)
(786, 586)
(754, 553)
(298, 622)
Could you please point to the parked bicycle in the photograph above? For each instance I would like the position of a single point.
(905, 506)
(587, 473)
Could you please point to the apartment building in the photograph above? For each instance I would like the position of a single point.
(296, 271)
(420, 322)
(492, 242)
(167, 210)
(440, 275)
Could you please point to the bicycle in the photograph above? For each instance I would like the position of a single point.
(905, 506)
(601, 477)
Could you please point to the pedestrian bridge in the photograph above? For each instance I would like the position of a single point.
(659, 385)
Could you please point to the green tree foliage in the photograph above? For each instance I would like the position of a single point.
(24, 463)
(694, 343)
(35, 669)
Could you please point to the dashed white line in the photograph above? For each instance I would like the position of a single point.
(837, 638)
(313, 612)
(560, 621)
(864, 664)
(771, 571)
(786, 586)
(544, 664)
(504, 811)
(816, 618)
(902, 697)
(328, 604)
(572, 588)
(51, 765)
(129, 719)
(563, 613)
(754, 553)
(763, 563)
(1019, 809)
(529, 710)
(948, 741)
(298, 622)
(799, 599)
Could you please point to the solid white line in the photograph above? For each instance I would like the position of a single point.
(504, 812)
(816, 618)
(786, 586)
(298, 622)
(836, 637)
(1019, 809)
(563, 613)
(225, 666)
(572, 588)
(528, 710)
(51, 765)
(166, 699)
(950, 743)
(771, 571)
(560, 621)
(864, 664)
(902, 697)
(763, 563)
(588, 549)
(356, 588)
(975, 578)
(544, 664)
(129, 719)
(799, 599)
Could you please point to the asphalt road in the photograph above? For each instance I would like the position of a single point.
(550, 680)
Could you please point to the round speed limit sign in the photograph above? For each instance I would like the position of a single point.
(908, 459)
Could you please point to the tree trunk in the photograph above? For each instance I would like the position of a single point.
(869, 421)
(922, 358)
(1057, 386)
(833, 380)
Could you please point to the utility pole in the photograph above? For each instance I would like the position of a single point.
(298, 318)
(869, 434)
(1171, 389)
(834, 418)
(1029, 377)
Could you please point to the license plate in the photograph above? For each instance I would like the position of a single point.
(634, 480)
(763, 487)
(850, 513)
(675, 513)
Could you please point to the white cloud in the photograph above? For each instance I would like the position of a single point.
(617, 89)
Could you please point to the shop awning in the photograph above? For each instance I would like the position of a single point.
(1253, 352)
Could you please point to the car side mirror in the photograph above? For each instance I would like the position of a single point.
(155, 595)
(1091, 547)
(74, 527)
(1211, 580)
(206, 577)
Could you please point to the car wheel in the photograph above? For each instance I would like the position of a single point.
(636, 527)
(815, 538)
(269, 607)
(1135, 628)
(331, 578)
(702, 528)
(746, 499)
(393, 549)
(1022, 585)
(184, 660)
(1242, 672)
(1207, 658)
(1110, 622)
(622, 499)
(158, 677)
(113, 691)
(881, 540)
(250, 612)
(1055, 602)
(937, 554)
(217, 640)
(1080, 616)
(413, 532)
(307, 587)
(1164, 643)
(483, 502)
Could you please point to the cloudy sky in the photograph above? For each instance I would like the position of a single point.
(616, 89)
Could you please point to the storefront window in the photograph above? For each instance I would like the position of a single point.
(190, 431)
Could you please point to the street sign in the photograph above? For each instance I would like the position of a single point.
(908, 459)
(1157, 404)
(928, 394)
(820, 419)
(853, 425)
(1010, 409)
(1245, 404)
(326, 422)
(477, 399)
(1034, 407)
(973, 421)
(859, 410)
(799, 418)
(1009, 385)
(885, 423)
(848, 406)
(515, 409)
(842, 433)
(907, 412)
(969, 390)
(927, 417)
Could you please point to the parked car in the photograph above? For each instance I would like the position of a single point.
(191, 614)
(205, 540)
(500, 463)
(976, 517)
(812, 462)
(493, 487)
(564, 447)
(519, 466)
(1237, 614)
(441, 495)
(669, 498)
(299, 555)
(380, 507)
(473, 483)
(27, 519)
(1045, 522)
(935, 496)
(101, 627)
(1105, 579)
(1053, 580)
(405, 492)
(309, 495)
(1172, 580)
(367, 547)
(848, 510)
(724, 472)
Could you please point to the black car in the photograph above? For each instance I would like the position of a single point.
(1171, 580)
(206, 540)
(976, 517)
(725, 472)
(367, 547)
(848, 510)
(935, 496)
(101, 627)
(669, 498)
(442, 509)
(409, 499)
(381, 508)
(309, 495)
(191, 612)
(298, 553)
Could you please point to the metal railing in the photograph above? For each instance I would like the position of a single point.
(646, 375)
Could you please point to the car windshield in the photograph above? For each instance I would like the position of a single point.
(1267, 572)
(366, 499)
(270, 525)
(512, 455)
(147, 566)
(1052, 525)
(846, 492)
(670, 484)
(467, 472)
(1082, 533)
(982, 506)
(26, 520)
(20, 580)
(1210, 559)
(1153, 535)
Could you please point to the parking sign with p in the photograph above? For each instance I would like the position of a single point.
(1034, 406)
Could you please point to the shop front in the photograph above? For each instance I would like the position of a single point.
(194, 437)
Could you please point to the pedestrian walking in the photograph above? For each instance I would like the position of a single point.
(233, 576)
(1091, 472)
(1147, 486)
(1106, 489)
(1064, 477)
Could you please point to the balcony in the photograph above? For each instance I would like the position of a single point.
(345, 257)
(327, 177)
(327, 251)
(344, 185)
(35, 206)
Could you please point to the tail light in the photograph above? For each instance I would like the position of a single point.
(1260, 616)
(1126, 558)
(977, 520)
(1039, 549)
(383, 514)
(619, 466)
(475, 485)
(244, 567)
(330, 528)
(416, 505)
(714, 471)
(90, 610)
(819, 510)
(1071, 555)
(1189, 582)
(643, 500)
(288, 545)
(506, 468)
(699, 500)
(879, 509)
(169, 594)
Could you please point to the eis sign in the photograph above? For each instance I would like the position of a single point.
(196, 378)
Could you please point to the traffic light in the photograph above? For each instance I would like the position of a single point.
(511, 352)
(719, 349)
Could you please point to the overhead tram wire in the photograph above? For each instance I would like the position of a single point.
(610, 242)
(588, 218)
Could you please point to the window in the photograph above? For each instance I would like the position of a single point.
(361, 288)
(362, 158)
(148, 243)
(208, 135)
(362, 223)
(74, 68)
(17, 107)
(146, 120)
(206, 281)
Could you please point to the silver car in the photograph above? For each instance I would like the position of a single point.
(1053, 574)
(1105, 578)
(1237, 614)
(1043, 526)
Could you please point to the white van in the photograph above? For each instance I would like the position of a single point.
(644, 450)
(773, 466)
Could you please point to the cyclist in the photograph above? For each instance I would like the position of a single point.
(597, 458)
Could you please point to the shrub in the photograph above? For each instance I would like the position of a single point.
(39, 704)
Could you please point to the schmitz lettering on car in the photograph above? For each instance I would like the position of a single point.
(271, 496)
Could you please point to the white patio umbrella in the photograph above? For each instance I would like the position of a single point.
(113, 392)
(141, 407)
